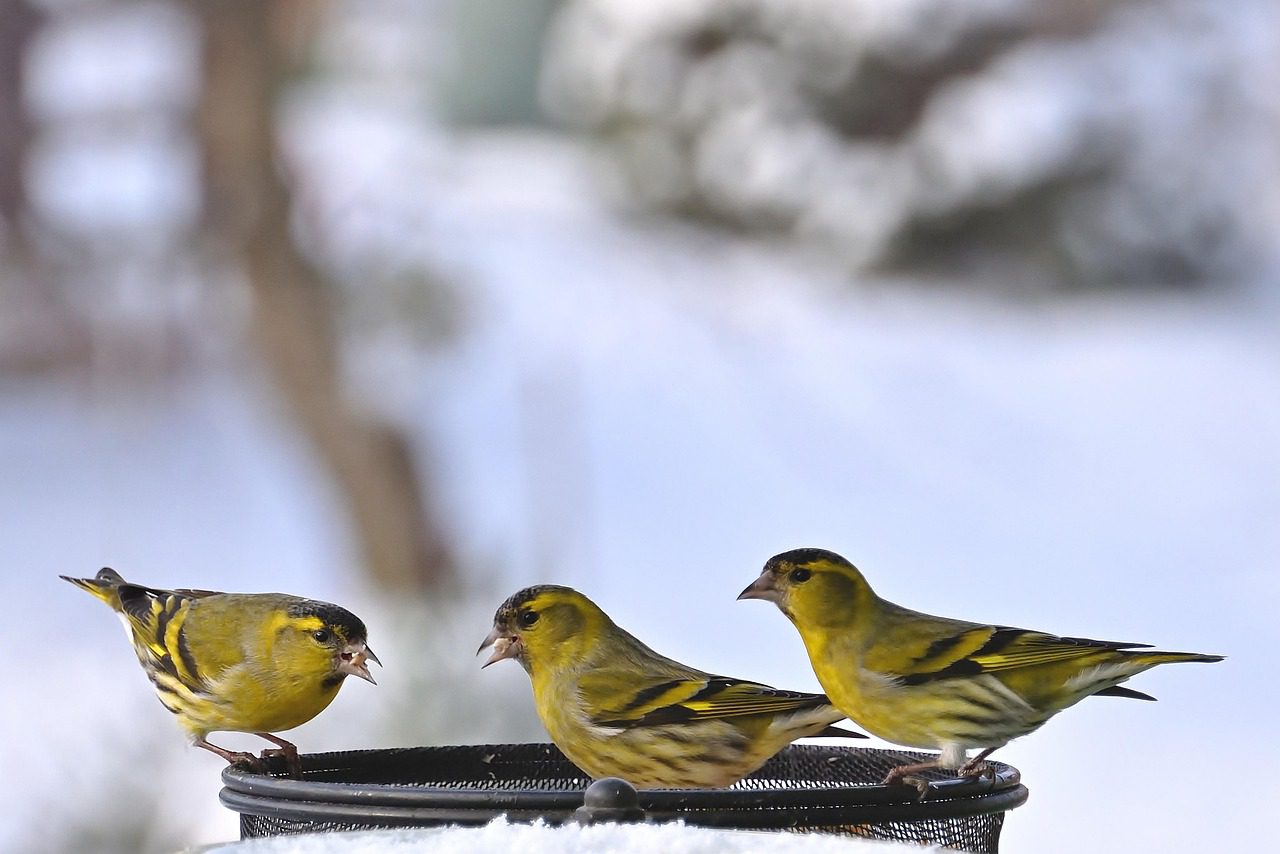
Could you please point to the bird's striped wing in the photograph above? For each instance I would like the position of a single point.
(192, 594)
(992, 649)
(157, 618)
(703, 698)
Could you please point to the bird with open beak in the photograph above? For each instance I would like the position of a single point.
(505, 641)
(616, 708)
(351, 661)
(238, 662)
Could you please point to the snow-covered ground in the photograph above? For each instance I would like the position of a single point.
(535, 838)
(648, 412)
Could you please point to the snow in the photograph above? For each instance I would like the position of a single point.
(571, 839)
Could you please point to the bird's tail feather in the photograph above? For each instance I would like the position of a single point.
(1154, 658)
(1120, 691)
(837, 732)
(105, 586)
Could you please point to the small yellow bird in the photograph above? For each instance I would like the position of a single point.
(618, 709)
(238, 662)
(932, 682)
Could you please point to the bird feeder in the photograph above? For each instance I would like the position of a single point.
(805, 788)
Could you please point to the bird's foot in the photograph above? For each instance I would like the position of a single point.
(289, 755)
(248, 760)
(906, 775)
(234, 757)
(286, 750)
(921, 785)
(976, 769)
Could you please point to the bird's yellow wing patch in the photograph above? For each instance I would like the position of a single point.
(158, 619)
(990, 649)
(705, 698)
(1027, 649)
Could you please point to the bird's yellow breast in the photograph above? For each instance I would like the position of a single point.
(265, 702)
(250, 682)
(874, 701)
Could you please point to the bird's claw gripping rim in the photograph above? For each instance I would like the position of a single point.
(248, 760)
(288, 754)
(977, 770)
(920, 784)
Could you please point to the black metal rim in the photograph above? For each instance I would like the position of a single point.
(385, 803)
(368, 814)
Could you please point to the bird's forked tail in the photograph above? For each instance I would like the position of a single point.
(1154, 658)
(105, 585)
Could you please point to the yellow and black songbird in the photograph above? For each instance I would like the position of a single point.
(238, 662)
(933, 682)
(618, 709)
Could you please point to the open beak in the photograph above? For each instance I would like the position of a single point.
(763, 588)
(504, 646)
(354, 656)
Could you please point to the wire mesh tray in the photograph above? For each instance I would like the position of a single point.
(804, 788)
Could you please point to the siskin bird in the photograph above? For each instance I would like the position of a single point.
(238, 662)
(937, 683)
(618, 709)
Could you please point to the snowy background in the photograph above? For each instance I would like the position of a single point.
(537, 837)
(641, 397)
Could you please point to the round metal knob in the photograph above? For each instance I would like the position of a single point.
(609, 799)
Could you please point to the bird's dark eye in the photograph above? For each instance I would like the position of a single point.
(528, 618)
(800, 576)
(322, 635)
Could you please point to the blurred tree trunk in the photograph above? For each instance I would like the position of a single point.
(18, 23)
(39, 331)
(251, 49)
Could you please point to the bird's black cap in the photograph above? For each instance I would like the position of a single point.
(333, 616)
(802, 557)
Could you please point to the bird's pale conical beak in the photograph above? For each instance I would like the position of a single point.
(763, 588)
(504, 646)
(354, 655)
